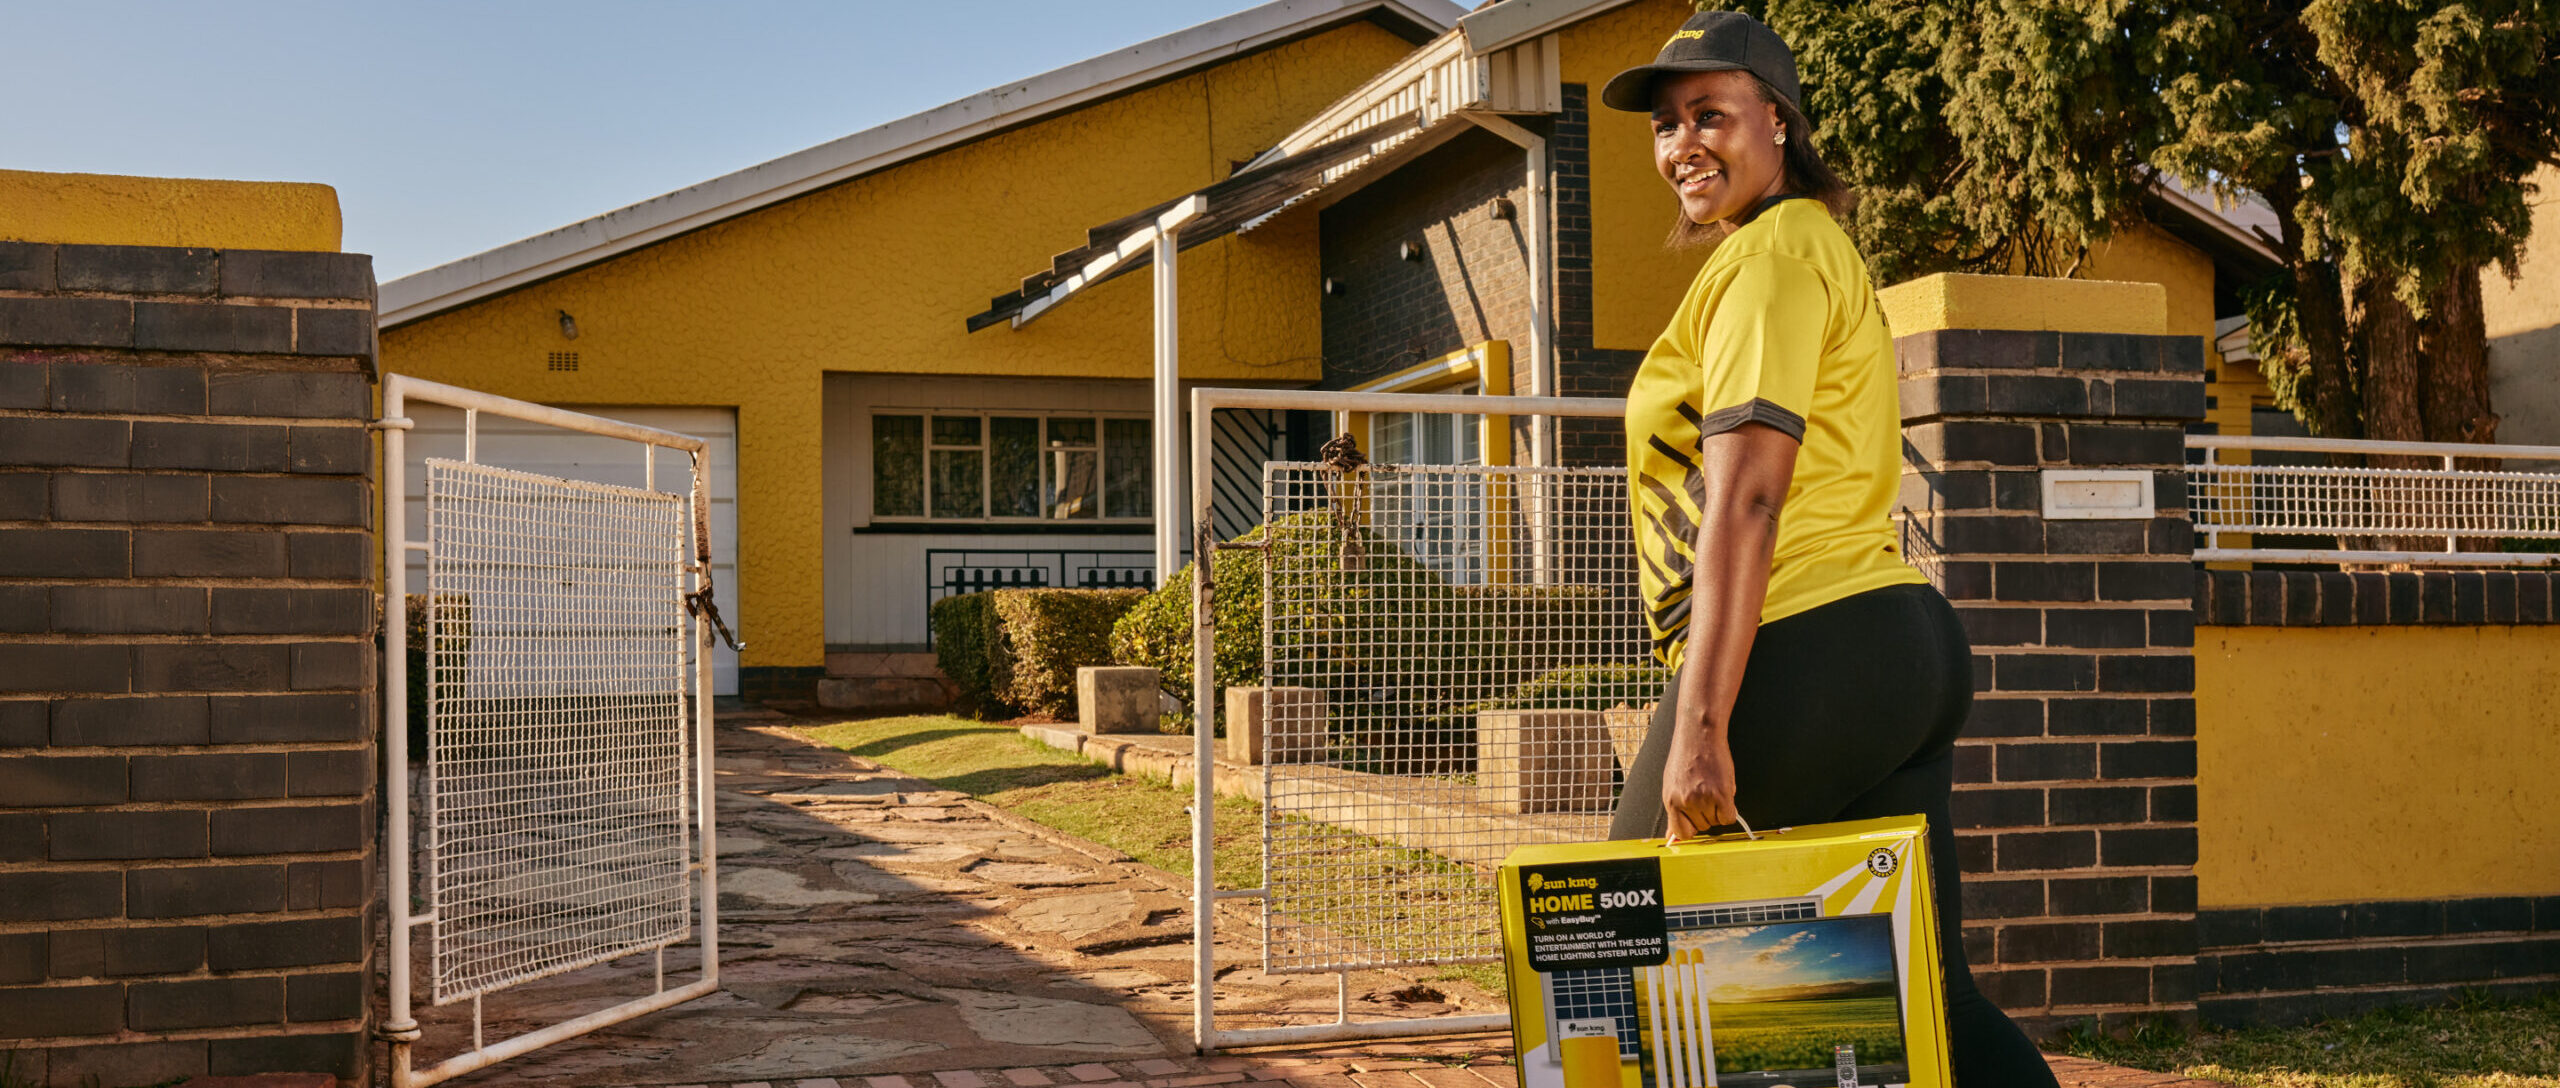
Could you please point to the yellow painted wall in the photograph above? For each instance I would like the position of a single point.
(2523, 319)
(877, 275)
(2357, 763)
(2532, 300)
(1955, 300)
(115, 210)
(1635, 281)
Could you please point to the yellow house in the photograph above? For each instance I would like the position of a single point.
(809, 311)
(913, 391)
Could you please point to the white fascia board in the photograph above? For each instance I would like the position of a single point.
(425, 293)
(1514, 21)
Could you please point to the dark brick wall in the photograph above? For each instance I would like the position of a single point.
(2292, 965)
(2452, 598)
(2075, 802)
(1467, 281)
(187, 760)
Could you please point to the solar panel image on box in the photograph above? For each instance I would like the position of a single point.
(1792, 1003)
(1611, 991)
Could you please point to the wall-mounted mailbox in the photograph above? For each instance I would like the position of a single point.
(2088, 494)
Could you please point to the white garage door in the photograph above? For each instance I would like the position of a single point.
(536, 448)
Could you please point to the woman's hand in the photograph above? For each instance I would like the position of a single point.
(1697, 781)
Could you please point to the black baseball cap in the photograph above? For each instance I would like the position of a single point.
(1711, 41)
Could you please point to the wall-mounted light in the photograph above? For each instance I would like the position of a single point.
(568, 326)
(1332, 286)
(1503, 208)
(1408, 251)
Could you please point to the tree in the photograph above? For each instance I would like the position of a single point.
(2393, 139)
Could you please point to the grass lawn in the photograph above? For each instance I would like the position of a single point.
(1138, 816)
(2474, 1043)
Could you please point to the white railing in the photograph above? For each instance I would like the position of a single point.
(2432, 513)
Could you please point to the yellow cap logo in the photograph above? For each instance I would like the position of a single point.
(1684, 34)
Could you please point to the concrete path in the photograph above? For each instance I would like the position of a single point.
(879, 933)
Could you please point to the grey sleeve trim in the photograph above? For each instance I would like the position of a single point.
(1757, 411)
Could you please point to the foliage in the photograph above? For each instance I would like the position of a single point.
(1012, 651)
(1585, 687)
(1157, 632)
(2392, 138)
(2472, 1042)
(1753, 1035)
(456, 663)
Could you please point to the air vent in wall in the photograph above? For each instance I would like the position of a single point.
(564, 360)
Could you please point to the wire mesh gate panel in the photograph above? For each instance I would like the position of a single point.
(557, 726)
(563, 812)
(1456, 666)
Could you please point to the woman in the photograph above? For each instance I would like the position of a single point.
(1817, 676)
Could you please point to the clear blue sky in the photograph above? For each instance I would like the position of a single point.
(451, 127)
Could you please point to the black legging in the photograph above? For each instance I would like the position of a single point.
(1850, 712)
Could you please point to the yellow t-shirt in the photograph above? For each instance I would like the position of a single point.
(1782, 327)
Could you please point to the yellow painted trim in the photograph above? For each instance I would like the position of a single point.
(1952, 300)
(1423, 377)
(115, 210)
(1488, 364)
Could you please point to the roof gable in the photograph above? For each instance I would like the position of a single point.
(588, 241)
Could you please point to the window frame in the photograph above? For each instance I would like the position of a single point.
(985, 447)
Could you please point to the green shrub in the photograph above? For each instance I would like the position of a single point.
(1015, 651)
(963, 628)
(1586, 687)
(1363, 621)
(1157, 633)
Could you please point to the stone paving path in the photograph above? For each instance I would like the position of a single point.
(879, 933)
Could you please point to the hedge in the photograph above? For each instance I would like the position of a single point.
(1366, 617)
(1016, 651)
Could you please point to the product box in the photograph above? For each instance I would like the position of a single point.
(1805, 957)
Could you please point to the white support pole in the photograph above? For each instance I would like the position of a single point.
(1537, 253)
(706, 756)
(1204, 772)
(1539, 256)
(401, 1028)
(1172, 528)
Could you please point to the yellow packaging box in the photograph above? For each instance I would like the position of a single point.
(1805, 957)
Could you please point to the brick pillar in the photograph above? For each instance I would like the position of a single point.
(187, 759)
(2075, 804)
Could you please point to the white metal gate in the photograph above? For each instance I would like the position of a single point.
(568, 811)
(1441, 647)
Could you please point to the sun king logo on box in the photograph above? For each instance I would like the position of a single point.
(1805, 958)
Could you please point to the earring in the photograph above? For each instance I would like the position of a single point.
(1782, 136)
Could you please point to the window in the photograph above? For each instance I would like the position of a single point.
(1010, 467)
(1438, 518)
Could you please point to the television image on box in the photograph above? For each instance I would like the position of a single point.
(1813, 1002)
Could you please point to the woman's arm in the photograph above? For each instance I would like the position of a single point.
(1746, 472)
